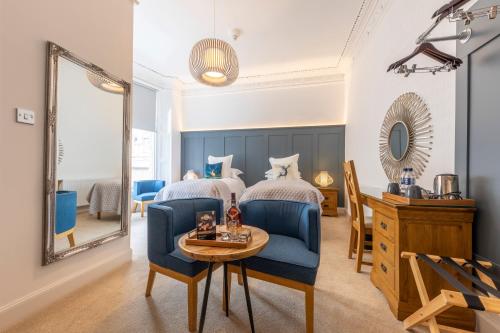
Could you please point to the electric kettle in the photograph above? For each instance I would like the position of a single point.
(446, 186)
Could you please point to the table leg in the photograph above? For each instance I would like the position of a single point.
(247, 293)
(205, 297)
(226, 295)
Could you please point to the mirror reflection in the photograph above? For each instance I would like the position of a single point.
(88, 157)
(399, 140)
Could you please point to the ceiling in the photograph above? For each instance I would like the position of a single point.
(277, 36)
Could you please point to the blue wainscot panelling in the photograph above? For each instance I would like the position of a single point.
(320, 148)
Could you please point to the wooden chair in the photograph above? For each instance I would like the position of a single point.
(291, 258)
(167, 222)
(360, 227)
(486, 282)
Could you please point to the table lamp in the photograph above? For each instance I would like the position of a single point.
(190, 175)
(323, 179)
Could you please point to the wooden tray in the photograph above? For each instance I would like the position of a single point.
(428, 202)
(218, 242)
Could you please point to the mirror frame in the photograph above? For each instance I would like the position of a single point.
(55, 51)
(411, 110)
(407, 140)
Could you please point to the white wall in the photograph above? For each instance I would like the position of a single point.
(25, 26)
(371, 90)
(300, 105)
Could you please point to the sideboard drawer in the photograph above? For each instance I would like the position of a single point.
(383, 224)
(384, 246)
(384, 269)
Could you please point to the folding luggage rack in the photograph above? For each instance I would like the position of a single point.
(487, 297)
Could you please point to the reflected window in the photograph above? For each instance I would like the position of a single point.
(143, 154)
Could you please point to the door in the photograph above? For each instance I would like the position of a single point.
(478, 129)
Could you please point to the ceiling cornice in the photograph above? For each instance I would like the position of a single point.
(374, 11)
(310, 77)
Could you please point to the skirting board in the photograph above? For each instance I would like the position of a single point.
(21, 308)
(487, 322)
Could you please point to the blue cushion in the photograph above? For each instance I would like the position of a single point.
(167, 221)
(213, 170)
(286, 257)
(178, 262)
(145, 196)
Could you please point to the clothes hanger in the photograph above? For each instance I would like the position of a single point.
(429, 50)
(448, 9)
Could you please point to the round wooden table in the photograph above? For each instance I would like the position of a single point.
(213, 254)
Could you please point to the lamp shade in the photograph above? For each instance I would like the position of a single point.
(190, 175)
(103, 83)
(213, 62)
(323, 179)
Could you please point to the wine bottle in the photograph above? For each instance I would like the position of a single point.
(233, 214)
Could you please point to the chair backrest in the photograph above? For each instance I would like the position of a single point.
(354, 194)
(288, 218)
(184, 212)
(148, 186)
(65, 211)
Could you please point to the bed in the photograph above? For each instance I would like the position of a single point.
(277, 189)
(105, 196)
(203, 188)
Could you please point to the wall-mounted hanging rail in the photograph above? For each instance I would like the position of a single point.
(459, 15)
(453, 13)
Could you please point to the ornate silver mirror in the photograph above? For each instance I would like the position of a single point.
(405, 136)
(86, 156)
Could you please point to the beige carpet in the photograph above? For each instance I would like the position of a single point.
(344, 301)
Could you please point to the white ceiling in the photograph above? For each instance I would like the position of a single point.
(277, 35)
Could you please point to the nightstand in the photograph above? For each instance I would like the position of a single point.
(329, 205)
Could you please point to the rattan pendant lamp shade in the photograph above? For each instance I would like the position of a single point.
(213, 62)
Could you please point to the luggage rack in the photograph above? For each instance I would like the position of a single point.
(486, 299)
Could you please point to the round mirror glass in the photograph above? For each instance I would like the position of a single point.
(399, 140)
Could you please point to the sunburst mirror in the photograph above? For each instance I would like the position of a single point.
(406, 136)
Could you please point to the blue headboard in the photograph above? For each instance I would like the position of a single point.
(320, 148)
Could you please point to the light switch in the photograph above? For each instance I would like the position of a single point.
(25, 116)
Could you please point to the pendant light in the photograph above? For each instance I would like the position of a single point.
(213, 61)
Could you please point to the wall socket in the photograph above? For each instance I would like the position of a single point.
(25, 116)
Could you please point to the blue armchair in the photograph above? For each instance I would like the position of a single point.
(145, 191)
(167, 222)
(291, 258)
(66, 215)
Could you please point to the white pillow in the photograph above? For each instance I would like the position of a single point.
(226, 164)
(235, 173)
(285, 168)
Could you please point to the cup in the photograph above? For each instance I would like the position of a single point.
(393, 188)
(414, 192)
(224, 233)
(232, 227)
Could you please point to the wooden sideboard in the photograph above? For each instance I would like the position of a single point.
(445, 231)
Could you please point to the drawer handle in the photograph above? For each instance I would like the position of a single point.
(383, 225)
(384, 269)
(383, 247)
(326, 205)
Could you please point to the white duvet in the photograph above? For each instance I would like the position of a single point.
(293, 190)
(203, 188)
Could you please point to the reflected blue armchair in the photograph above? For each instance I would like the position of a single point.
(291, 258)
(66, 215)
(167, 222)
(145, 191)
